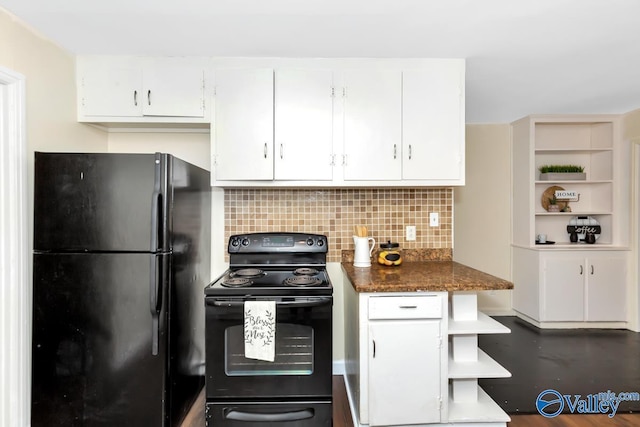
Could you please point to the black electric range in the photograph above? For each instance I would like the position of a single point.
(295, 387)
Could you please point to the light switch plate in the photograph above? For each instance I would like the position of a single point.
(434, 219)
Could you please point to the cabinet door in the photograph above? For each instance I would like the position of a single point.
(433, 123)
(172, 89)
(606, 289)
(242, 127)
(404, 372)
(109, 88)
(373, 125)
(303, 124)
(563, 289)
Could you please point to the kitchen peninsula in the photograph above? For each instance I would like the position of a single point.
(411, 342)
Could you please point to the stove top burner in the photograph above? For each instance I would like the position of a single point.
(302, 281)
(251, 273)
(236, 282)
(305, 271)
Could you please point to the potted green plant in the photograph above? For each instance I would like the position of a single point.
(562, 173)
(553, 205)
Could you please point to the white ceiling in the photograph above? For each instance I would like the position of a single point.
(523, 56)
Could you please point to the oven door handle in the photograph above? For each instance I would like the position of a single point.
(234, 414)
(299, 302)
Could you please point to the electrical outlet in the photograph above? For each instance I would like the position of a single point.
(411, 232)
(434, 219)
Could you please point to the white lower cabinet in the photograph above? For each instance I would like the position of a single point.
(404, 360)
(571, 286)
(396, 359)
(413, 359)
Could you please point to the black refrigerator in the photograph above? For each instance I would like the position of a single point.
(121, 258)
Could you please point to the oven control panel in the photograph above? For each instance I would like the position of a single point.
(278, 243)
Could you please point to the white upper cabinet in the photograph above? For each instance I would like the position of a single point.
(173, 89)
(304, 124)
(135, 89)
(433, 122)
(273, 124)
(405, 125)
(293, 122)
(242, 125)
(109, 89)
(372, 125)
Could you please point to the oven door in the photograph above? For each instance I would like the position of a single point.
(302, 367)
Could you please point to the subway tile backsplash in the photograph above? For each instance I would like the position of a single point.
(335, 212)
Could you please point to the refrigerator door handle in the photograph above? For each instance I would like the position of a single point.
(159, 200)
(156, 204)
(155, 299)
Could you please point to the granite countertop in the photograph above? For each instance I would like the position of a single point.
(432, 272)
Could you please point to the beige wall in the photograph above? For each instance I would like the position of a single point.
(482, 209)
(50, 87)
(631, 132)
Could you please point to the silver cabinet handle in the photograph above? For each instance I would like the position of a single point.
(409, 151)
(408, 306)
(281, 151)
(592, 271)
(374, 349)
(135, 98)
(395, 151)
(344, 160)
(265, 150)
(149, 96)
(581, 270)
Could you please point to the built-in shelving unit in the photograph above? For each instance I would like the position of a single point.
(468, 403)
(586, 140)
(570, 282)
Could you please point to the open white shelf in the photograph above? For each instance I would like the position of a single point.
(484, 325)
(484, 367)
(481, 411)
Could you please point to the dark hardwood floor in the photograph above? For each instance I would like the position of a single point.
(570, 361)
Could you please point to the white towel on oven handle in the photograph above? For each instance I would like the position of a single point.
(260, 330)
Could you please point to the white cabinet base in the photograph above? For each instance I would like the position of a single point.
(572, 325)
(463, 403)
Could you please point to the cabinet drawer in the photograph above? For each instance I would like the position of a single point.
(401, 307)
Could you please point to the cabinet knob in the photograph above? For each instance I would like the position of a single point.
(581, 270)
(395, 151)
(135, 98)
(409, 151)
(149, 96)
(265, 150)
